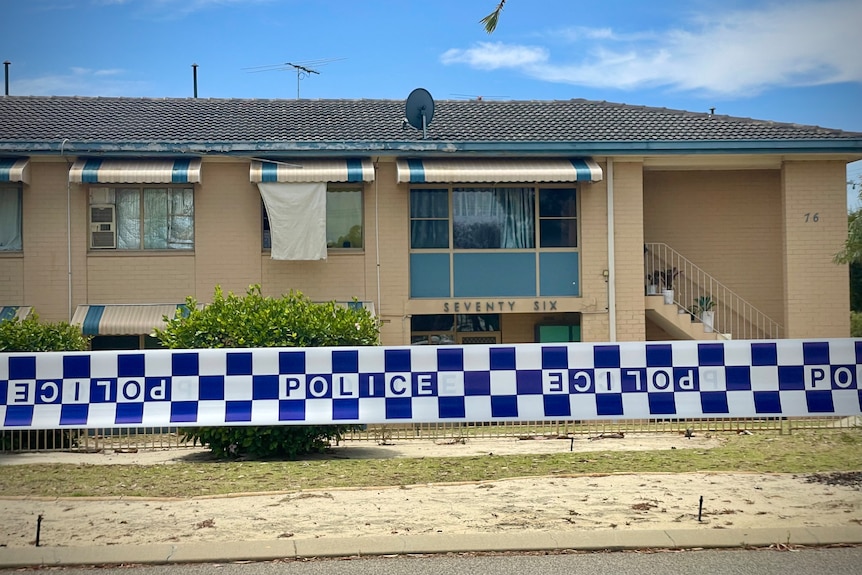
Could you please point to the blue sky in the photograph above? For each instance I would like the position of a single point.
(796, 61)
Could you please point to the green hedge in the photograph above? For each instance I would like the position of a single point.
(30, 335)
(255, 320)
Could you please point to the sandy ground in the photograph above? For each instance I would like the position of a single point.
(559, 503)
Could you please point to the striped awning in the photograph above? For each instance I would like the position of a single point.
(118, 319)
(97, 171)
(495, 170)
(299, 171)
(15, 170)
(14, 312)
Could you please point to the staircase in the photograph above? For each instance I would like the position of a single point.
(678, 325)
(733, 316)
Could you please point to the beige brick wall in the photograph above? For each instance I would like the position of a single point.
(227, 230)
(393, 215)
(46, 277)
(140, 278)
(816, 291)
(595, 324)
(725, 222)
(340, 277)
(518, 327)
(629, 239)
(12, 280)
(521, 327)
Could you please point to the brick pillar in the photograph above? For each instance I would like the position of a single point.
(628, 252)
(814, 214)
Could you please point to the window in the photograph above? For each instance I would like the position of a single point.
(10, 219)
(446, 329)
(558, 218)
(145, 218)
(494, 241)
(343, 220)
(493, 218)
(429, 219)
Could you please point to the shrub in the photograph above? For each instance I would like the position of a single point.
(30, 335)
(855, 324)
(254, 320)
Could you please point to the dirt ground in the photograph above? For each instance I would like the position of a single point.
(552, 504)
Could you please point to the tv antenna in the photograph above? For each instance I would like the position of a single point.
(419, 110)
(478, 98)
(303, 68)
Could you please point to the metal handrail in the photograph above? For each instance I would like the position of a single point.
(733, 315)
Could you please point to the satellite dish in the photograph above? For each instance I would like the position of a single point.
(419, 110)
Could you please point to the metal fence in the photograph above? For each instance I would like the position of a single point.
(132, 439)
(563, 429)
(92, 440)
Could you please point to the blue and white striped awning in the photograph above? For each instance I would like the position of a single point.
(123, 319)
(15, 170)
(349, 170)
(98, 171)
(14, 312)
(495, 170)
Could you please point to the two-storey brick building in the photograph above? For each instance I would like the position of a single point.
(502, 221)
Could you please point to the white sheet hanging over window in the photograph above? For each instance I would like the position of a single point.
(297, 219)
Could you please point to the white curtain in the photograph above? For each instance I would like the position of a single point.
(297, 219)
(493, 218)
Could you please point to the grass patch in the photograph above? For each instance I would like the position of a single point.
(802, 452)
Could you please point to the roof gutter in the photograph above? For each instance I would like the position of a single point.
(431, 148)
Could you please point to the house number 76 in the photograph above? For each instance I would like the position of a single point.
(809, 217)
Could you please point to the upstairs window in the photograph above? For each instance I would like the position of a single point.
(10, 219)
(429, 219)
(142, 218)
(344, 229)
(493, 218)
(558, 218)
(344, 218)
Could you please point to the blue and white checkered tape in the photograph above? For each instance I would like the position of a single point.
(362, 385)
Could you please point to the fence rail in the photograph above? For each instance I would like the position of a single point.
(96, 440)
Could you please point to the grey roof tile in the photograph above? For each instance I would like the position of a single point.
(142, 120)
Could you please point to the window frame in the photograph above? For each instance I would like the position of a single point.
(113, 190)
(266, 242)
(18, 190)
(537, 188)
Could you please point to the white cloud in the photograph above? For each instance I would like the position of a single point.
(493, 55)
(79, 82)
(742, 52)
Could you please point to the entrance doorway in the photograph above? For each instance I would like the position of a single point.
(449, 329)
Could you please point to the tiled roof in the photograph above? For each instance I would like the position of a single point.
(153, 120)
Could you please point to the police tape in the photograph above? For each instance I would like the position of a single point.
(419, 384)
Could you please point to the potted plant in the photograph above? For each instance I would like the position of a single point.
(705, 308)
(653, 281)
(667, 278)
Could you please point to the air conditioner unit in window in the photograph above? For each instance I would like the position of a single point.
(103, 227)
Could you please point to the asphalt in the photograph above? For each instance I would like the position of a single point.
(230, 551)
